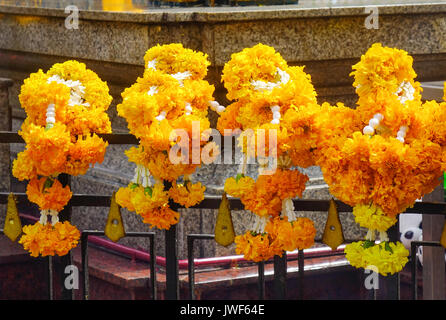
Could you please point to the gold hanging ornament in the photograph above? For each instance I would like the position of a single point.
(333, 235)
(443, 236)
(224, 228)
(114, 229)
(13, 225)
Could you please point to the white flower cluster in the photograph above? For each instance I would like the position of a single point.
(77, 90)
(152, 91)
(401, 134)
(142, 176)
(216, 107)
(259, 223)
(50, 115)
(373, 124)
(288, 209)
(276, 114)
(260, 85)
(405, 92)
(49, 212)
(180, 77)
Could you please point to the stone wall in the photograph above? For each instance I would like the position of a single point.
(327, 39)
(5, 125)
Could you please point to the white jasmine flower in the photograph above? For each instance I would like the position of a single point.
(405, 92)
(152, 64)
(181, 76)
(161, 116)
(260, 85)
(153, 90)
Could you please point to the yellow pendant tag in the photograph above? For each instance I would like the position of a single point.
(114, 229)
(13, 225)
(224, 228)
(443, 236)
(333, 235)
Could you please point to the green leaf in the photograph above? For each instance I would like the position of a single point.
(239, 176)
(133, 186)
(368, 244)
(48, 183)
(387, 247)
(148, 190)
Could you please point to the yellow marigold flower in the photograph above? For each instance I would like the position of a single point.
(159, 164)
(434, 116)
(305, 232)
(239, 187)
(257, 63)
(227, 122)
(96, 90)
(354, 253)
(372, 217)
(124, 198)
(151, 203)
(36, 94)
(386, 257)
(83, 121)
(67, 237)
(383, 68)
(161, 167)
(174, 58)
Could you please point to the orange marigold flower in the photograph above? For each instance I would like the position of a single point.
(47, 148)
(48, 193)
(187, 194)
(48, 240)
(161, 218)
(254, 247)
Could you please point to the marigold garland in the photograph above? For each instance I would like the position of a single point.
(167, 110)
(65, 108)
(388, 155)
(379, 158)
(275, 108)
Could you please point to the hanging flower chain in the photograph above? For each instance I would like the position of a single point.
(270, 98)
(171, 95)
(60, 136)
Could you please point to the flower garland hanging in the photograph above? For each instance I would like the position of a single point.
(388, 158)
(170, 98)
(274, 105)
(65, 109)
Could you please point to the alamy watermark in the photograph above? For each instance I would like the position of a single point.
(72, 21)
(372, 20)
(72, 279)
(192, 147)
(372, 280)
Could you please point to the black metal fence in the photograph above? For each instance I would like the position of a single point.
(171, 267)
